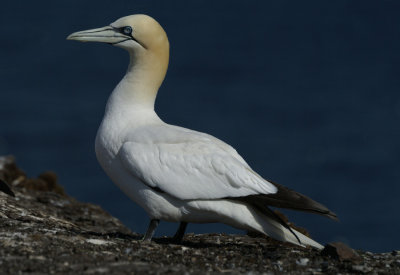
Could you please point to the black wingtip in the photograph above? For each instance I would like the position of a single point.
(5, 188)
(332, 216)
(290, 199)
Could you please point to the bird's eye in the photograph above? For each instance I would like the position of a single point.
(127, 30)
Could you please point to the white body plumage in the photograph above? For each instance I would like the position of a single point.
(175, 174)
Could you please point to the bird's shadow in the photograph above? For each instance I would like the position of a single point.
(188, 243)
(200, 243)
(158, 240)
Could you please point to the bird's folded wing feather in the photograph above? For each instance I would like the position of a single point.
(193, 168)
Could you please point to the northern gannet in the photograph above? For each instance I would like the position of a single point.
(177, 174)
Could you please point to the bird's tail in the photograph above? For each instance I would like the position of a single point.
(281, 231)
(295, 237)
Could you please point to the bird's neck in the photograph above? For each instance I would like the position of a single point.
(138, 89)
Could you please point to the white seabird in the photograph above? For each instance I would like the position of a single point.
(177, 174)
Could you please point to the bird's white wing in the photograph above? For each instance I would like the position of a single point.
(193, 168)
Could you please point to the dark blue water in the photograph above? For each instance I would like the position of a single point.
(308, 93)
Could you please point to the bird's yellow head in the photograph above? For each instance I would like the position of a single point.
(144, 39)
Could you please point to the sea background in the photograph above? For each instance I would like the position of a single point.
(306, 91)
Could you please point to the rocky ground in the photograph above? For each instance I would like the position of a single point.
(44, 231)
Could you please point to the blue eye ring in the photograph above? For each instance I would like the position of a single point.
(127, 30)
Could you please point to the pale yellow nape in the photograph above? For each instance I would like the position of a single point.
(154, 57)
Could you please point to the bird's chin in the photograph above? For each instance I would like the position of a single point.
(128, 45)
(119, 42)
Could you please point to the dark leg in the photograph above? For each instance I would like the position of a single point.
(181, 231)
(150, 230)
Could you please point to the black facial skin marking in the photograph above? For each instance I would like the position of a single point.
(127, 30)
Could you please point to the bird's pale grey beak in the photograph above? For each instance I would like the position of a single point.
(106, 34)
